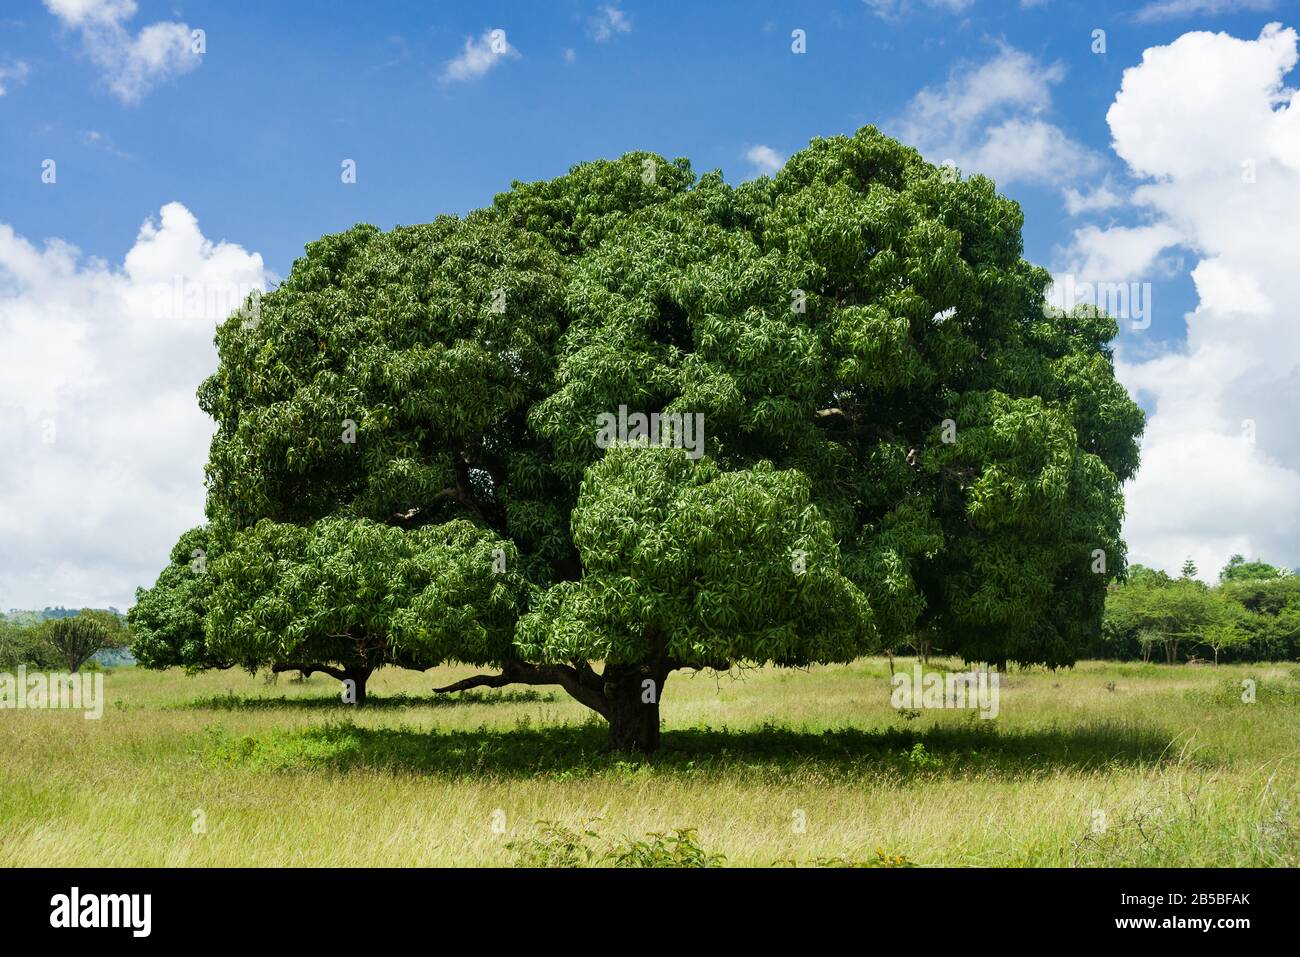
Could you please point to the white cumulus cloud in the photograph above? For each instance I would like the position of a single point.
(1210, 125)
(990, 118)
(132, 64)
(104, 441)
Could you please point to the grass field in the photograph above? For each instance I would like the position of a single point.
(1104, 764)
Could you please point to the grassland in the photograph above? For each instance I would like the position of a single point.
(1102, 764)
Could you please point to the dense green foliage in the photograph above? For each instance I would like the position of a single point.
(364, 594)
(752, 598)
(1238, 569)
(1243, 618)
(882, 392)
(167, 621)
(21, 644)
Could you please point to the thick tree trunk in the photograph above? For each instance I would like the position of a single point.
(359, 676)
(632, 693)
(627, 696)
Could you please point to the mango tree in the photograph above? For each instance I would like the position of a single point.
(857, 426)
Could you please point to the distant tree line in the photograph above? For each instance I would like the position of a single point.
(1251, 614)
(59, 637)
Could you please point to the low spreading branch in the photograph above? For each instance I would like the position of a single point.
(307, 669)
(585, 686)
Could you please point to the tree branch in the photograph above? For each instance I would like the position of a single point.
(585, 686)
(840, 424)
(306, 669)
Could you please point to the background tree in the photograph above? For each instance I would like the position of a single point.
(860, 334)
(21, 644)
(1225, 634)
(74, 640)
(1184, 611)
(1238, 569)
(1272, 614)
(1147, 639)
(1150, 606)
(1131, 622)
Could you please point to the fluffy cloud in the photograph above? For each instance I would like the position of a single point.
(1119, 253)
(478, 56)
(103, 440)
(1096, 200)
(765, 160)
(988, 118)
(1209, 124)
(132, 65)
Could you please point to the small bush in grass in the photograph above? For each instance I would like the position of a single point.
(678, 849)
(557, 846)
(560, 846)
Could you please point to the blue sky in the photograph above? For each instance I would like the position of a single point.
(251, 142)
(248, 138)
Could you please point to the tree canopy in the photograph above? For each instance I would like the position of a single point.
(1238, 569)
(345, 596)
(73, 640)
(898, 437)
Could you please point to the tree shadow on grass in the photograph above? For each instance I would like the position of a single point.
(234, 702)
(566, 751)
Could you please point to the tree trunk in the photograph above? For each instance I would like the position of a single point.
(633, 693)
(358, 675)
(627, 696)
(1002, 666)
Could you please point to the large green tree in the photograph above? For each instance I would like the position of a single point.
(899, 442)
